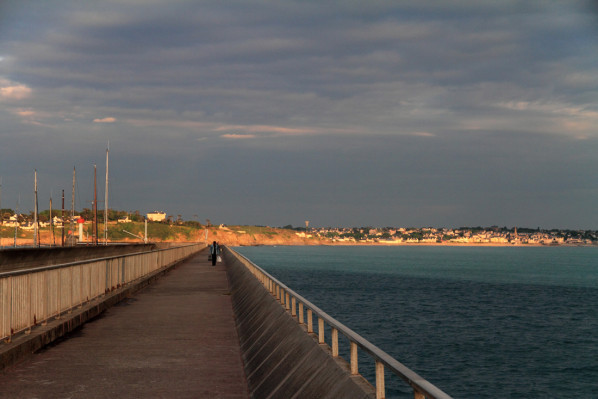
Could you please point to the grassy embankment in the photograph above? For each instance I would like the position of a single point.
(162, 232)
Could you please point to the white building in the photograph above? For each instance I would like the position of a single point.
(156, 216)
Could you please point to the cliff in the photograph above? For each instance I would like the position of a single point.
(251, 235)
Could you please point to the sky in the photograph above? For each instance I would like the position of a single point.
(344, 113)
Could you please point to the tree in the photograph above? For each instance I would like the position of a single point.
(136, 217)
(5, 213)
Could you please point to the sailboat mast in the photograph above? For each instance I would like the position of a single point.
(106, 200)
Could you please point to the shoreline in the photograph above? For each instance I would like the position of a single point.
(248, 240)
(410, 244)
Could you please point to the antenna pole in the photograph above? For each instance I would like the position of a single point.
(35, 225)
(73, 210)
(17, 223)
(106, 200)
(62, 217)
(52, 223)
(95, 206)
(1, 214)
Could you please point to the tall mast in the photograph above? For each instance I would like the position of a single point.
(17, 223)
(73, 210)
(1, 217)
(52, 223)
(35, 226)
(95, 206)
(62, 217)
(106, 200)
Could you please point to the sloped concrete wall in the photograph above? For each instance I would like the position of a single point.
(281, 359)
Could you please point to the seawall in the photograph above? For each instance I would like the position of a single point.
(281, 359)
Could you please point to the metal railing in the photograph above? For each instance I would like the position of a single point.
(303, 311)
(30, 297)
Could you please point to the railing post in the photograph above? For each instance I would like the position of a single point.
(300, 312)
(380, 391)
(58, 272)
(46, 299)
(293, 307)
(287, 304)
(334, 337)
(310, 322)
(321, 330)
(29, 298)
(418, 395)
(354, 362)
(9, 339)
(70, 302)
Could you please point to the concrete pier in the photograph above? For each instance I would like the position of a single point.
(174, 339)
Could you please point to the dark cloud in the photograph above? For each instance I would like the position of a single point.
(341, 112)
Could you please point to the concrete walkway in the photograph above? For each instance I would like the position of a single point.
(174, 339)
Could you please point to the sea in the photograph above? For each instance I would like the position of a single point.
(477, 322)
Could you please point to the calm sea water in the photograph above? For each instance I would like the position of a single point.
(478, 322)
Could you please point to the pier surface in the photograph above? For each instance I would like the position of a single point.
(174, 339)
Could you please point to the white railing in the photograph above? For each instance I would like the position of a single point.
(303, 311)
(31, 297)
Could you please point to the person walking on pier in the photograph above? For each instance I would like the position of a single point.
(214, 251)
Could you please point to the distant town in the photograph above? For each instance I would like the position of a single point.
(493, 235)
(462, 235)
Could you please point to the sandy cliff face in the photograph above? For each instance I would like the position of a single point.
(233, 238)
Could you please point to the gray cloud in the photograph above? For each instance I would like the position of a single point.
(343, 112)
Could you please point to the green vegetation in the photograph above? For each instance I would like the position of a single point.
(253, 229)
(8, 232)
(155, 231)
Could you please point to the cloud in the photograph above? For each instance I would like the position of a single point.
(105, 120)
(372, 88)
(267, 129)
(233, 136)
(172, 123)
(13, 91)
(25, 112)
(423, 134)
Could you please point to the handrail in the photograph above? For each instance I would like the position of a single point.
(289, 299)
(80, 262)
(29, 297)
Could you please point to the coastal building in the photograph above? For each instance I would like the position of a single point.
(156, 216)
(12, 221)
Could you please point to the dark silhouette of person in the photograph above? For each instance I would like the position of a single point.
(214, 250)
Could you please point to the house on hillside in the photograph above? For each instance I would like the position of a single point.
(156, 216)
